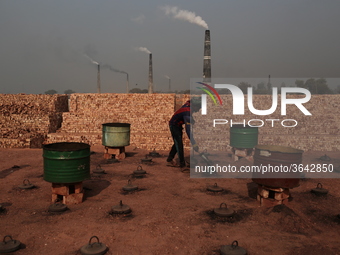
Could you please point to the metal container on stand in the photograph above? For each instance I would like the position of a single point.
(116, 134)
(278, 159)
(66, 162)
(243, 137)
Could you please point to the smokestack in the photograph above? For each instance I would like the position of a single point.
(207, 58)
(150, 89)
(127, 83)
(98, 79)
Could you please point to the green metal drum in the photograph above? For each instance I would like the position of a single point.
(243, 137)
(116, 134)
(66, 162)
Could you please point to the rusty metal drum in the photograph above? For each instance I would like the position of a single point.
(281, 163)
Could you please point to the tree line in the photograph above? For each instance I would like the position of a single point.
(315, 86)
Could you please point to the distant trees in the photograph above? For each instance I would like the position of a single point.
(51, 92)
(261, 89)
(138, 90)
(337, 90)
(244, 87)
(315, 86)
(69, 91)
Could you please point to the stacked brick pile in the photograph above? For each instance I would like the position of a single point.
(148, 115)
(320, 131)
(25, 120)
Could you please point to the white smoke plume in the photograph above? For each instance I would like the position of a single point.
(184, 15)
(140, 19)
(93, 62)
(143, 49)
(167, 77)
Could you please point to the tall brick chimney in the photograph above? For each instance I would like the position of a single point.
(127, 83)
(207, 58)
(98, 79)
(150, 89)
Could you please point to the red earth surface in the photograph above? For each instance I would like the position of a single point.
(171, 212)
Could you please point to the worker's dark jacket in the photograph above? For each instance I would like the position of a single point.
(183, 116)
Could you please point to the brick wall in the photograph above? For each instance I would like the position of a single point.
(148, 115)
(317, 132)
(26, 119)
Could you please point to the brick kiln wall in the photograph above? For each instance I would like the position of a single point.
(148, 115)
(88, 111)
(25, 120)
(317, 132)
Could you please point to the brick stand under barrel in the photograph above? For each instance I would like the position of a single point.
(66, 166)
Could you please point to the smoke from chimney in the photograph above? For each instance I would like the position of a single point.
(98, 73)
(93, 62)
(184, 15)
(207, 58)
(119, 71)
(150, 88)
(166, 76)
(143, 49)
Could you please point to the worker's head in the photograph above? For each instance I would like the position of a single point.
(195, 104)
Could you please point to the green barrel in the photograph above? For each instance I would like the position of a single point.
(116, 134)
(243, 137)
(66, 162)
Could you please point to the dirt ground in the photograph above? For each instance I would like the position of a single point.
(171, 212)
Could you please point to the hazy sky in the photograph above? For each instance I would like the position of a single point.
(43, 42)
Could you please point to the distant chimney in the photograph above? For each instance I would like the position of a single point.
(207, 58)
(98, 79)
(127, 83)
(269, 85)
(150, 89)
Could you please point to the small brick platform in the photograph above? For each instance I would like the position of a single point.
(119, 152)
(68, 193)
(238, 153)
(269, 197)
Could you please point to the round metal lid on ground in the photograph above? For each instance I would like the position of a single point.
(233, 249)
(9, 245)
(324, 158)
(26, 185)
(57, 207)
(98, 170)
(154, 153)
(319, 190)
(139, 170)
(130, 186)
(95, 248)
(214, 188)
(224, 211)
(146, 159)
(120, 208)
